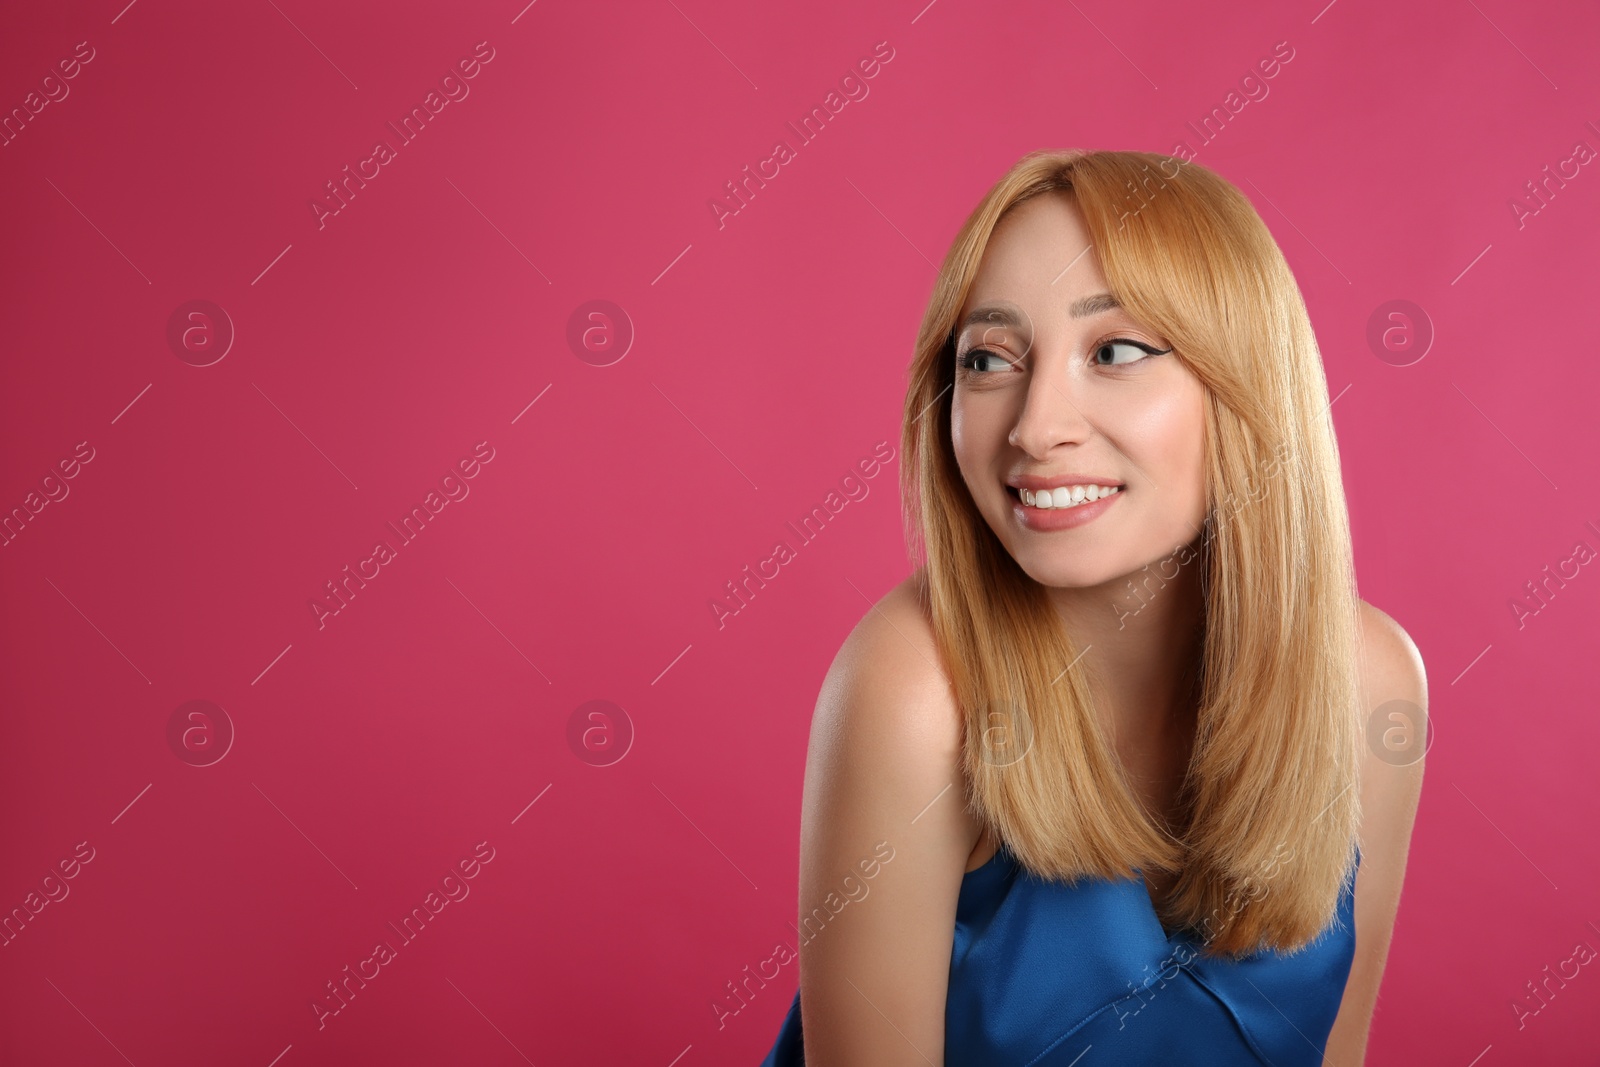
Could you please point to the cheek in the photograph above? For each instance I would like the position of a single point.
(967, 435)
(975, 437)
(1166, 438)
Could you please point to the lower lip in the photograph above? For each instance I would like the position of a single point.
(1044, 520)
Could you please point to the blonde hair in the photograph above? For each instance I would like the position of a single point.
(1277, 745)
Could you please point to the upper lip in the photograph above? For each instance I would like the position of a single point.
(1036, 482)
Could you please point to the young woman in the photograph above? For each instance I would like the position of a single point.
(1105, 772)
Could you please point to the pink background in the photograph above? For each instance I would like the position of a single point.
(431, 713)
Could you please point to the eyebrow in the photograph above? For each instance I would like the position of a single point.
(1083, 307)
(1006, 314)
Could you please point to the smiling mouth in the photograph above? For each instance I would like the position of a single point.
(1066, 503)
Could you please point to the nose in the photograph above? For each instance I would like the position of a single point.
(1053, 413)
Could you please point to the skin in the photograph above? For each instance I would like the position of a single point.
(884, 758)
(1058, 396)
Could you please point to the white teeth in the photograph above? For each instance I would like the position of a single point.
(1065, 496)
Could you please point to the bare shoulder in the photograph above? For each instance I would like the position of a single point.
(886, 725)
(1392, 667)
(893, 646)
(1393, 712)
(884, 839)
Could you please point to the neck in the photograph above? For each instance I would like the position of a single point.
(1143, 650)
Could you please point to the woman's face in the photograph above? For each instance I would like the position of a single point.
(1055, 386)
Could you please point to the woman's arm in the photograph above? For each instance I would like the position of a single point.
(1392, 669)
(884, 842)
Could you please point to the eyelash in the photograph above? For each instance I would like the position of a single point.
(965, 362)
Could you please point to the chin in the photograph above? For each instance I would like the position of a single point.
(1078, 573)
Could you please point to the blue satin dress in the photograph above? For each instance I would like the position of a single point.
(1042, 972)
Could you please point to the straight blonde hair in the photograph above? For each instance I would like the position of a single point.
(1277, 747)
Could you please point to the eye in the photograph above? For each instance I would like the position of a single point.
(980, 362)
(1109, 349)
